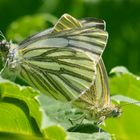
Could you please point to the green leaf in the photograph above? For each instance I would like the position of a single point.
(125, 83)
(121, 98)
(25, 109)
(61, 113)
(19, 109)
(29, 25)
(55, 133)
(16, 136)
(95, 136)
(23, 94)
(125, 87)
(119, 70)
(20, 115)
(56, 112)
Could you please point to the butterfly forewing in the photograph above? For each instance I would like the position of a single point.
(61, 62)
(90, 40)
(93, 22)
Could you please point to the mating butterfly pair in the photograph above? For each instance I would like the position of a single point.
(65, 62)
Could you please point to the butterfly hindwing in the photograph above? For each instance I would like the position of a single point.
(64, 73)
(101, 85)
(66, 22)
(98, 95)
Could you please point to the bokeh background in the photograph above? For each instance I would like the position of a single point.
(19, 19)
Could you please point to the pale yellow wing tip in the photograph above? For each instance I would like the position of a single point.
(66, 22)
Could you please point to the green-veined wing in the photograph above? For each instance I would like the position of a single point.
(98, 95)
(61, 62)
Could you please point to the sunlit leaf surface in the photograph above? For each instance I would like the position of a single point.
(126, 127)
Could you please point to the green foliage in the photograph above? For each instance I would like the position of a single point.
(95, 136)
(19, 109)
(55, 133)
(24, 115)
(125, 88)
(122, 24)
(20, 115)
(128, 84)
(29, 25)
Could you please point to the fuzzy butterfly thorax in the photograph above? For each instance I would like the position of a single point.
(10, 60)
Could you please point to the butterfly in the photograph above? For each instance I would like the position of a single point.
(65, 62)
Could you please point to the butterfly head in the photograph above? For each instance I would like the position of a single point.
(110, 111)
(100, 114)
(116, 111)
(4, 47)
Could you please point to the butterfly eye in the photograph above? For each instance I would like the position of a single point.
(4, 46)
(116, 112)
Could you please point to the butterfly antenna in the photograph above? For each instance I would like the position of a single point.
(4, 67)
(2, 35)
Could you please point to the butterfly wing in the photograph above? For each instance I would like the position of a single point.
(62, 62)
(67, 22)
(101, 85)
(33, 37)
(98, 95)
(93, 22)
(69, 32)
(100, 89)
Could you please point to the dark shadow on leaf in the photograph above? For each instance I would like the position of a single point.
(85, 128)
(24, 107)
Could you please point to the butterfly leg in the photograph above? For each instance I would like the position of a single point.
(101, 120)
(77, 125)
(81, 118)
(5, 65)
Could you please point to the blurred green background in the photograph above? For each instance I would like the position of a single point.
(122, 18)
